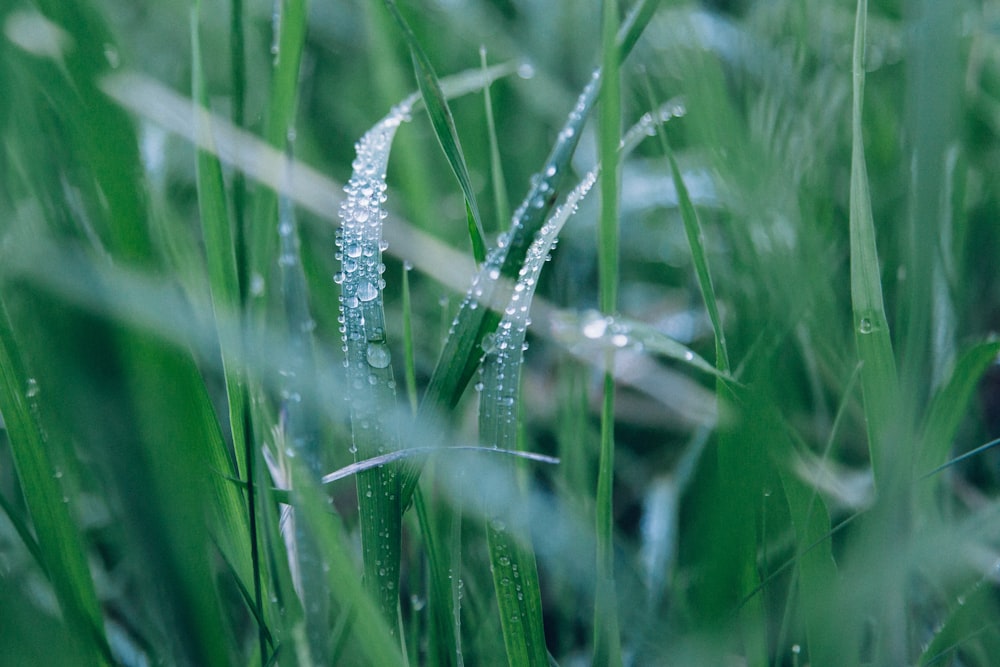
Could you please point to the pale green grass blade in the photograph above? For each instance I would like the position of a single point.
(501, 201)
(60, 547)
(878, 373)
(444, 129)
(607, 637)
(224, 281)
(279, 119)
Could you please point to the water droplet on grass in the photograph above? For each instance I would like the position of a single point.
(378, 355)
(865, 326)
(367, 291)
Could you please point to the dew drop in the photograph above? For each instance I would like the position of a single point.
(367, 291)
(378, 355)
(32, 389)
(353, 250)
(865, 326)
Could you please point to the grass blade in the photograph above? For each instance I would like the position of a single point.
(512, 560)
(607, 638)
(878, 373)
(444, 129)
(501, 202)
(369, 370)
(60, 547)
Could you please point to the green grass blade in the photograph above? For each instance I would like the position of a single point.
(60, 547)
(512, 560)
(374, 430)
(500, 199)
(878, 373)
(444, 129)
(607, 637)
(279, 118)
(699, 255)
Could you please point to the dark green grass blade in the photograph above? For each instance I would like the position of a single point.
(696, 241)
(444, 129)
(607, 637)
(224, 280)
(60, 547)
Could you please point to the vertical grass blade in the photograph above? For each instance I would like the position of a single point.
(512, 560)
(501, 202)
(370, 380)
(289, 40)
(878, 373)
(224, 282)
(607, 639)
(444, 129)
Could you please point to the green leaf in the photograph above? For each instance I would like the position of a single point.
(444, 129)
(60, 547)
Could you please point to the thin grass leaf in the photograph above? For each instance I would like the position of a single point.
(60, 548)
(500, 199)
(289, 41)
(443, 123)
(607, 636)
(878, 373)
(368, 360)
(512, 559)
(699, 255)
(224, 281)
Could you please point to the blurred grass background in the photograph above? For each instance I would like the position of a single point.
(113, 370)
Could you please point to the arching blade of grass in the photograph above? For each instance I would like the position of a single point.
(60, 548)
(444, 129)
(458, 361)
(372, 398)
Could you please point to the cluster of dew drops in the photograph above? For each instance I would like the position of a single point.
(360, 244)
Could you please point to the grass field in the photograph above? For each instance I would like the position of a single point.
(475, 332)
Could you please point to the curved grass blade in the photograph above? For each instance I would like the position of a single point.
(372, 397)
(512, 561)
(444, 129)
